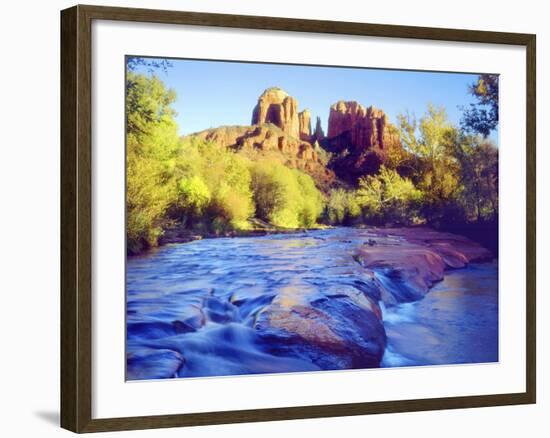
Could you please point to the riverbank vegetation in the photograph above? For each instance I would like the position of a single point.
(445, 175)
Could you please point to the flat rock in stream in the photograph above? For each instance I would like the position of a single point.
(408, 261)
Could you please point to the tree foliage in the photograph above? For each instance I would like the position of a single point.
(285, 197)
(431, 140)
(388, 197)
(151, 148)
(151, 65)
(214, 187)
(482, 117)
(342, 207)
(479, 163)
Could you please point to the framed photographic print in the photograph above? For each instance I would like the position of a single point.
(341, 214)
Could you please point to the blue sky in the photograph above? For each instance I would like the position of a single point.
(215, 93)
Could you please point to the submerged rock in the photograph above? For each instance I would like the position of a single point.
(149, 363)
(334, 332)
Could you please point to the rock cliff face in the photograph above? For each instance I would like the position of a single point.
(277, 107)
(360, 139)
(351, 125)
(304, 119)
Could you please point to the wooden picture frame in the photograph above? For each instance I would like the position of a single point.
(76, 217)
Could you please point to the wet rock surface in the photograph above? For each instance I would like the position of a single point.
(280, 303)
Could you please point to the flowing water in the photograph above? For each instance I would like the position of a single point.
(200, 299)
(456, 322)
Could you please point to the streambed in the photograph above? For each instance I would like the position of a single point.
(327, 299)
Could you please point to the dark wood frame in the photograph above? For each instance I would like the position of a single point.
(76, 237)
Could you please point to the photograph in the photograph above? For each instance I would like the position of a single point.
(295, 218)
(265, 219)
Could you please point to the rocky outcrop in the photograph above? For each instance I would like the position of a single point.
(225, 136)
(351, 125)
(411, 260)
(268, 140)
(360, 138)
(318, 134)
(340, 330)
(277, 107)
(304, 119)
(279, 131)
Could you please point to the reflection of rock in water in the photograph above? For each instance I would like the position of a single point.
(313, 301)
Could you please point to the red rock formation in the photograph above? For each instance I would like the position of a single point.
(360, 139)
(224, 135)
(304, 119)
(318, 134)
(277, 107)
(422, 259)
(351, 125)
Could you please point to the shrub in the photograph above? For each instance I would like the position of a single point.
(388, 197)
(285, 197)
(215, 185)
(342, 207)
(312, 202)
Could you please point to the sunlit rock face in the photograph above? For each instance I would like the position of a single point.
(360, 139)
(277, 107)
(340, 330)
(352, 125)
(305, 125)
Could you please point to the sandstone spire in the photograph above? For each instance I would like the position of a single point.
(304, 119)
(318, 134)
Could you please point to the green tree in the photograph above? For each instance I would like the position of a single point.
(479, 164)
(285, 197)
(342, 207)
(311, 203)
(151, 65)
(193, 195)
(152, 144)
(215, 186)
(482, 117)
(431, 142)
(388, 197)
